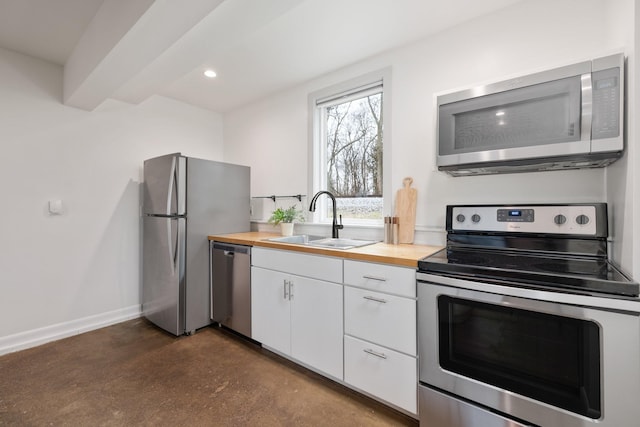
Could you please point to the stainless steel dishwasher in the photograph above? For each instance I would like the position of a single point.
(231, 286)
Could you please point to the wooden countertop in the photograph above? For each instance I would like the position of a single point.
(405, 255)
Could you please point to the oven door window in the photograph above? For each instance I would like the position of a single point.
(549, 358)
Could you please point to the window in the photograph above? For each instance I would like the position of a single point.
(350, 149)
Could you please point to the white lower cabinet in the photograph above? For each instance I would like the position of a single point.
(381, 372)
(297, 310)
(270, 309)
(316, 324)
(380, 342)
(298, 316)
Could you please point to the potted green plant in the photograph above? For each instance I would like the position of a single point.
(286, 218)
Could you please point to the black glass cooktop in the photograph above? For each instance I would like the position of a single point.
(555, 272)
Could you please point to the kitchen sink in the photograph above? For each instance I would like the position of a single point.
(338, 243)
(323, 242)
(299, 239)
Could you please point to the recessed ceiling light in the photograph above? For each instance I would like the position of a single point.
(210, 73)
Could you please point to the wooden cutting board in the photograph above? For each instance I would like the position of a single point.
(406, 200)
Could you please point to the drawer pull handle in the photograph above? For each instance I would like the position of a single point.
(379, 279)
(382, 301)
(375, 353)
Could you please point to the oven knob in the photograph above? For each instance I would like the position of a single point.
(560, 219)
(475, 218)
(582, 219)
(460, 218)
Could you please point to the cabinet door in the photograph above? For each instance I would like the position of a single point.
(270, 309)
(316, 324)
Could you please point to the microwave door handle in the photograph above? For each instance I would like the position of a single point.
(587, 107)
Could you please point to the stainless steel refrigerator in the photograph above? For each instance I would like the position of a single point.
(184, 200)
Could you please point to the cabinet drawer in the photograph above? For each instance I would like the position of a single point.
(381, 277)
(384, 373)
(384, 319)
(313, 266)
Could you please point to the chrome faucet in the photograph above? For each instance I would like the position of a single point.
(335, 226)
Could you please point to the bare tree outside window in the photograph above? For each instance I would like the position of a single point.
(354, 156)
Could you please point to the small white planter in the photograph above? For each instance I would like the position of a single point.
(286, 228)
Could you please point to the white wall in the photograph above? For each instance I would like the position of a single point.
(529, 36)
(622, 177)
(82, 267)
(633, 176)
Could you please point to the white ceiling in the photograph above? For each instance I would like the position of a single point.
(133, 49)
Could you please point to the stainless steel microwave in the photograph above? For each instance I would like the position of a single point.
(565, 118)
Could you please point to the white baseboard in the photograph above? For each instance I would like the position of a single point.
(36, 337)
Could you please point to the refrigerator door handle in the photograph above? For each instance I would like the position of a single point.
(170, 246)
(172, 186)
(173, 244)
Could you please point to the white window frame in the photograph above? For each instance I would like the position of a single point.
(339, 93)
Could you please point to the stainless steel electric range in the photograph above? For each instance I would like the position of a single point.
(523, 320)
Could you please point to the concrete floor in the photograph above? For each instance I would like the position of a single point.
(135, 374)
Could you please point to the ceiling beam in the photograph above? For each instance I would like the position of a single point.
(123, 38)
(206, 43)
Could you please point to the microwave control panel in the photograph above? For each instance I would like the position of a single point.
(606, 104)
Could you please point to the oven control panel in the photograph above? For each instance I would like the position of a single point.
(553, 219)
(515, 215)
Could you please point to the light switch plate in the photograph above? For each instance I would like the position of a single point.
(55, 207)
